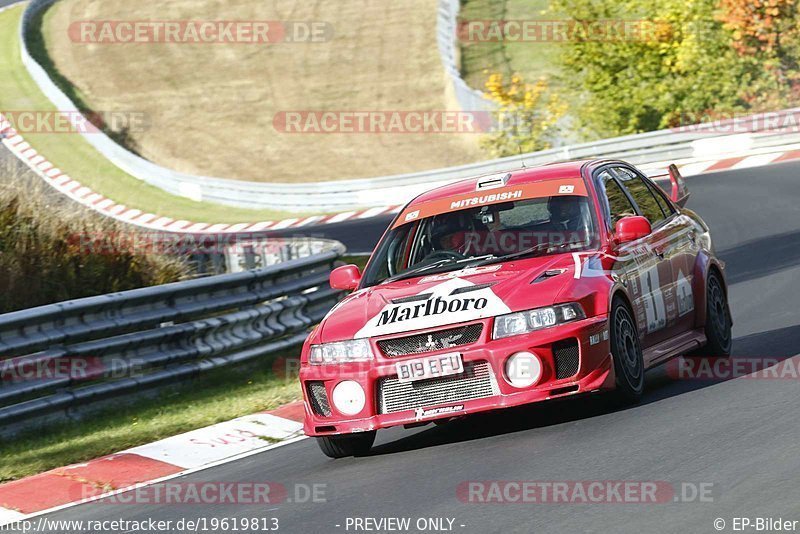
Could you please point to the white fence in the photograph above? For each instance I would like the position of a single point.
(446, 38)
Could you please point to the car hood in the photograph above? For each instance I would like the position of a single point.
(447, 298)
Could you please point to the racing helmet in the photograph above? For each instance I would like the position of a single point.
(443, 226)
(564, 209)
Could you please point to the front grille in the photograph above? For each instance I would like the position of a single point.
(476, 382)
(318, 398)
(566, 356)
(439, 340)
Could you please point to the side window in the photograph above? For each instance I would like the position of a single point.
(662, 201)
(642, 195)
(618, 204)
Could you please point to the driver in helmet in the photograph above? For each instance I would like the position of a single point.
(447, 235)
(565, 213)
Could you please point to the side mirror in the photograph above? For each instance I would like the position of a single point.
(346, 277)
(631, 228)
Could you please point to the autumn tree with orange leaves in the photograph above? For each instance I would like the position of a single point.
(711, 58)
(767, 33)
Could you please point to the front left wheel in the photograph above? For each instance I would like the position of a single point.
(346, 445)
(627, 353)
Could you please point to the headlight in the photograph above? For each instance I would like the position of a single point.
(355, 350)
(514, 324)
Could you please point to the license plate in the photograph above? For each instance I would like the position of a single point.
(430, 367)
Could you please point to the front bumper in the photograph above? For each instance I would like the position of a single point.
(594, 372)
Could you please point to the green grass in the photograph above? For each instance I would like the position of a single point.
(74, 156)
(208, 400)
(532, 60)
(360, 261)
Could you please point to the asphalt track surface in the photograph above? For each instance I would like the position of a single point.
(739, 435)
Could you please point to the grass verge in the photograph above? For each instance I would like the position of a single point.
(360, 261)
(208, 400)
(74, 156)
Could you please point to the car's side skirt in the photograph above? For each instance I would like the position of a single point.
(675, 346)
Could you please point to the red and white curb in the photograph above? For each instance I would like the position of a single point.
(84, 195)
(755, 158)
(149, 464)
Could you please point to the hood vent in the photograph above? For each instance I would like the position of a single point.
(548, 274)
(469, 289)
(412, 298)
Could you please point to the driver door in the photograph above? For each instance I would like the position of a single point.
(644, 272)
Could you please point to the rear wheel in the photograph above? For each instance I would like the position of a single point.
(627, 353)
(718, 318)
(347, 445)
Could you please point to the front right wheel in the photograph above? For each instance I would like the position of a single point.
(627, 353)
(346, 445)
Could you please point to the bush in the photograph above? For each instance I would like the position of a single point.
(527, 116)
(766, 34)
(44, 257)
(688, 67)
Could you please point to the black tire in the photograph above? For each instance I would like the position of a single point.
(718, 318)
(347, 445)
(627, 353)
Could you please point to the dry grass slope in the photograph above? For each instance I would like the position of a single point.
(51, 252)
(211, 107)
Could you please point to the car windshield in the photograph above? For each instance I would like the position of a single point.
(481, 235)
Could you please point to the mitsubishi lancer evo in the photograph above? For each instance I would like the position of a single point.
(510, 289)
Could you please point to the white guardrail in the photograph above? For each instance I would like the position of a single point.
(651, 147)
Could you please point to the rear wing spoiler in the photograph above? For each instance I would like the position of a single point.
(673, 184)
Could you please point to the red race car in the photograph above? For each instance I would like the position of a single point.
(514, 288)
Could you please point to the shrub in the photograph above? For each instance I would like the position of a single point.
(527, 116)
(688, 67)
(44, 258)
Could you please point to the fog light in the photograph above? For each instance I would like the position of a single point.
(523, 369)
(349, 397)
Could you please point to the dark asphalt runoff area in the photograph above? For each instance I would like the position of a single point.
(737, 441)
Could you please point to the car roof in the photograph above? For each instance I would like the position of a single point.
(526, 175)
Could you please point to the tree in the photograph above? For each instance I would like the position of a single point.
(526, 117)
(682, 65)
(767, 33)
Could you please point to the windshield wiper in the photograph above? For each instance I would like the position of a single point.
(438, 263)
(530, 251)
(412, 272)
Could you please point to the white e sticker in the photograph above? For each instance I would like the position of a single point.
(566, 189)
